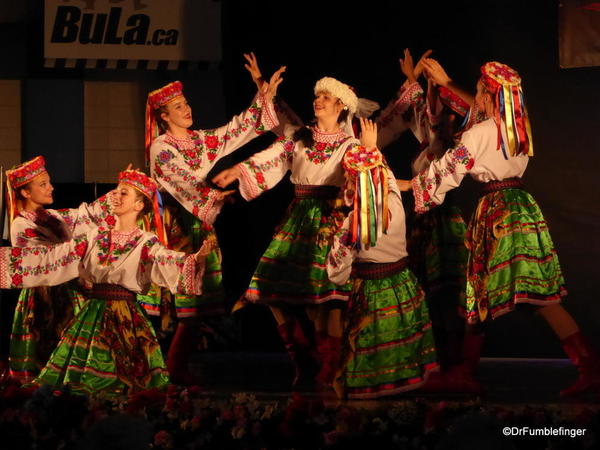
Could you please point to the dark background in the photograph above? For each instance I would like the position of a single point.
(359, 45)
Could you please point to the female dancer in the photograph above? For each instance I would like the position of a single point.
(109, 348)
(438, 255)
(42, 313)
(179, 161)
(388, 343)
(292, 270)
(512, 259)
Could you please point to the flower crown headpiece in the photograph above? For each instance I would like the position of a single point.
(148, 187)
(511, 114)
(139, 181)
(25, 172)
(340, 90)
(156, 99)
(19, 176)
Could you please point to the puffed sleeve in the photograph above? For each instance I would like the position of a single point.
(401, 115)
(176, 271)
(265, 169)
(259, 118)
(431, 185)
(188, 187)
(96, 214)
(24, 234)
(42, 266)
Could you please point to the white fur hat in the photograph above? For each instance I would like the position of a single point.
(339, 90)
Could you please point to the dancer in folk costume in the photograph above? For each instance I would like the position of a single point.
(109, 348)
(438, 255)
(292, 271)
(179, 160)
(42, 312)
(512, 259)
(388, 344)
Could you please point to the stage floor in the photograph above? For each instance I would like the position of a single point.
(508, 381)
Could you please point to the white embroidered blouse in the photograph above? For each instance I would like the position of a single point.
(180, 166)
(476, 154)
(390, 247)
(52, 226)
(319, 164)
(131, 260)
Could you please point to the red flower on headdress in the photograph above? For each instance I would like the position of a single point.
(165, 94)
(140, 181)
(26, 172)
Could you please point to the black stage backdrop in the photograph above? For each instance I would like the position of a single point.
(360, 45)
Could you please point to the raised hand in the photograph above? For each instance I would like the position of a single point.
(227, 177)
(252, 67)
(407, 66)
(419, 67)
(368, 133)
(436, 72)
(270, 89)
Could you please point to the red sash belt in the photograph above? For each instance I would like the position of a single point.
(377, 271)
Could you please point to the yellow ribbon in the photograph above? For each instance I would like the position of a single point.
(509, 120)
(364, 208)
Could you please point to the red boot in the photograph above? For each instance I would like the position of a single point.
(587, 361)
(328, 348)
(300, 352)
(459, 378)
(182, 346)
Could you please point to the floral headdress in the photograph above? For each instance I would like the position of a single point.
(340, 90)
(148, 187)
(367, 175)
(19, 176)
(505, 84)
(156, 99)
(361, 107)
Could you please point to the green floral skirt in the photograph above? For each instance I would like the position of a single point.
(512, 258)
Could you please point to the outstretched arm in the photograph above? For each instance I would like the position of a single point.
(41, 266)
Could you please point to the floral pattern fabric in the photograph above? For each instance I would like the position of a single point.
(180, 166)
(317, 165)
(102, 256)
(52, 226)
(477, 155)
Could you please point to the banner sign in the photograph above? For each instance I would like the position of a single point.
(150, 30)
(579, 33)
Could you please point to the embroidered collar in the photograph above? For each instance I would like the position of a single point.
(187, 142)
(328, 138)
(123, 237)
(29, 215)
